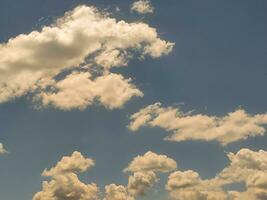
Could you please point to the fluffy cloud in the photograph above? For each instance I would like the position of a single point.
(117, 192)
(70, 164)
(83, 39)
(2, 149)
(145, 168)
(152, 162)
(67, 186)
(246, 166)
(188, 185)
(142, 7)
(78, 90)
(140, 182)
(65, 183)
(234, 126)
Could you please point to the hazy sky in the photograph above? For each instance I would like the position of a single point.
(74, 85)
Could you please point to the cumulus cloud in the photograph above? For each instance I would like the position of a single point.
(65, 183)
(188, 185)
(151, 161)
(2, 149)
(142, 7)
(84, 39)
(234, 126)
(69, 187)
(144, 170)
(117, 192)
(140, 182)
(78, 90)
(246, 166)
(70, 164)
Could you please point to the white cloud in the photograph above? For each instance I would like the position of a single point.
(140, 182)
(78, 90)
(144, 170)
(188, 185)
(152, 162)
(67, 186)
(142, 7)
(82, 37)
(65, 183)
(117, 192)
(70, 164)
(234, 126)
(2, 149)
(246, 166)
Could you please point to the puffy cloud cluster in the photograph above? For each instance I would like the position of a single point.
(2, 149)
(142, 7)
(246, 166)
(234, 126)
(249, 167)
(65, 183)
(144, 170)
(80, 42)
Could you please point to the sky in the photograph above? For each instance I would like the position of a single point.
(179, 83)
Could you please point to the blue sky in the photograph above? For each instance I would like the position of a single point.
(218, 64)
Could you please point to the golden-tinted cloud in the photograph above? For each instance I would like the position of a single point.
(234, 126)
(142, 7)
(84, 40)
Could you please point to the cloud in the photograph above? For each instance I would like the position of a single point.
(140, 182)
(67, 186)
(142, 7)
(246, 166)
(65, 183)
(78, 90)
(117, 192)
(84, 40)
(152, 162)
(188, 185)
(234, 126)
(2, 149)
(144, 170)
(70, 164)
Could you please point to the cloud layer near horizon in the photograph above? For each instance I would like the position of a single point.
(76, 43)
(234, 126)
